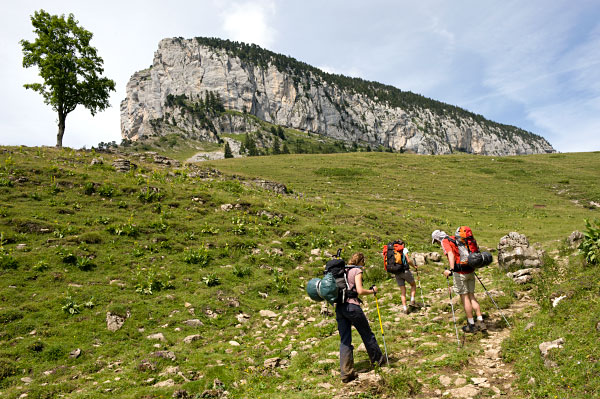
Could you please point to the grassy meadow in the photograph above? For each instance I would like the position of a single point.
(156, 247)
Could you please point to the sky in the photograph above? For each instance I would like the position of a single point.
(533, 64)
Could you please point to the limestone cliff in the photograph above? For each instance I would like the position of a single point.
(283, 91)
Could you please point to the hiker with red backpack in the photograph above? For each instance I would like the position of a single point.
(457, 249)
(397, 262)
(349, 313)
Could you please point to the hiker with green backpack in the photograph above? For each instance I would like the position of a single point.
(397, 262)
(341, 285)
(349, 313)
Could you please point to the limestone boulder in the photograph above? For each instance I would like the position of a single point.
(514, 253)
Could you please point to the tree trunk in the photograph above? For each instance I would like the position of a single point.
(61, 128)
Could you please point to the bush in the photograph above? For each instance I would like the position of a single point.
(89, 188)
(241, 271)
(85, 264)
(8, 315)
(7, 368)
(7, 261)
(590, 247)
(211, 280)
(199, 257)
(106, 190)
(150, 281)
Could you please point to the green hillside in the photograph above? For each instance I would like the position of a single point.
(159, 247)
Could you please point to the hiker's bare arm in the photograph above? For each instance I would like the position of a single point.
(451, 261)
(359, 286)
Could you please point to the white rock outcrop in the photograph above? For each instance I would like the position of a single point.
(308, 102)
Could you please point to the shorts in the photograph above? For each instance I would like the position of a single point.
(464, 283)
(405, 276)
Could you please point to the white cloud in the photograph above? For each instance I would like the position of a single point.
(249, 22)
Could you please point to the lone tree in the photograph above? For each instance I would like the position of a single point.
(68, 65)
(228, 153)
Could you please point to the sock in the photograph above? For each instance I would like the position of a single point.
(404, 307)
(479, 318)
(471, 321)
(412, 298)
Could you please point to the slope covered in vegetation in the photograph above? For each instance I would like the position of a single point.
(196, 253)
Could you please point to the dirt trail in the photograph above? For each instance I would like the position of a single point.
(484, 376)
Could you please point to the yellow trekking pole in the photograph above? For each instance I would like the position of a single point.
(381, 325)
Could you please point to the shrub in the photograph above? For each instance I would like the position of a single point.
(150, 194)
(8, 315)
(106, 190)
(149, 281)
(89, 188)
(7, 368)
(211, 280)
(37, 346)
(4, 182)
(71, 307)
(282, 283)
(7, 261)
(85, 264)
(241, 271)
(590, 247)
(199, 257)
(41, 266)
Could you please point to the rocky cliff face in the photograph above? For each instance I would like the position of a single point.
(308, 101)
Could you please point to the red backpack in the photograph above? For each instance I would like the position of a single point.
(466, 244)
(394, 260)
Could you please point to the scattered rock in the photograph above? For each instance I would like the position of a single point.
(165, 355)
(234, 343)
(524, 275)
(315, 251)
(575, 239)
(546, 346)
(268, 314)
(191, 338)
(460, 381)
(21, 247)
(325, 385)
(114, 322)
(468, 391)
(162, 384)
(242, 317)
(181, 394)
(193, 323)
(226, 207)
(445, 380)
(271, 186)
(272, 362)
(122, 165)
(169, 370)
(157, 336)
(479, 381)
(556, 300)
(97, 161)
(26, 380)
(515, 253)
(75, 353)
(146, 365)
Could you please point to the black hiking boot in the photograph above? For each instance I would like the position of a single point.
(480, 324)
(470, 328)
(350, 377)
(382, 361)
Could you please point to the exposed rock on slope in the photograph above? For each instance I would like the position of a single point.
(286, 92)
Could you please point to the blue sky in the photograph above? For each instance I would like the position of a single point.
(533, 64)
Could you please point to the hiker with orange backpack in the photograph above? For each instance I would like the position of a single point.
(397, 262)
(457, 249)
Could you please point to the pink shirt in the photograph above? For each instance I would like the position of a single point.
(352, 273)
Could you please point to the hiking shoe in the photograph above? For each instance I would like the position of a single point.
(382, 361)
(350, 377)
(470, 328)
(406, 311)
(480, 324)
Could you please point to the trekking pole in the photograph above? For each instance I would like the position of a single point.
(453, 317)
(381, 325)
(419, 281)
(488, 294)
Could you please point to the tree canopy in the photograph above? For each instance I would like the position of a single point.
(69, 66)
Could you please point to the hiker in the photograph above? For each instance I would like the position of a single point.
(405, 276)
(350, 314)
(463, 275)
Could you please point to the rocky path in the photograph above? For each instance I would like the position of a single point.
(485, 375)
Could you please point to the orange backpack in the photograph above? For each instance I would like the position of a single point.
(394, 260)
